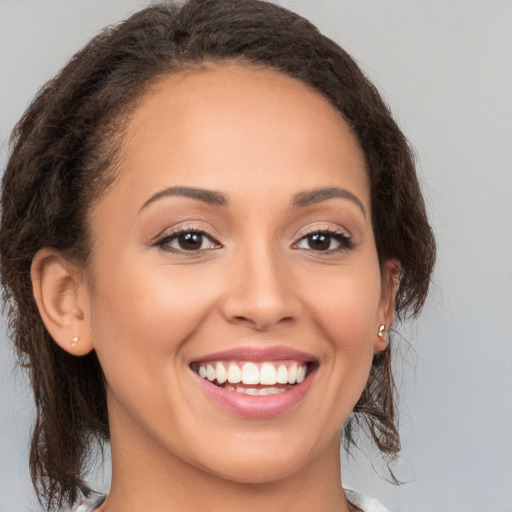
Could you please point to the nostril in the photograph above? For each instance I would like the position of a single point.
(262, 324)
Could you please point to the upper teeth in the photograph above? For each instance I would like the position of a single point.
(251, 373)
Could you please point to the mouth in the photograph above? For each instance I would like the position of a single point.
(254, 378)
(256, 383)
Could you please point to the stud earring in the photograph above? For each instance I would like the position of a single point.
(74, 341)
(382, 330)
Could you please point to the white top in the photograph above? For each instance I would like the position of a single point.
(365, 503)
(359, 500)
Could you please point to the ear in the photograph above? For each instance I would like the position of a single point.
(389, 288)
(61, 296)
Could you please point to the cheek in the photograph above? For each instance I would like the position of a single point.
(345, 307)
(145, 310)
(347, 302)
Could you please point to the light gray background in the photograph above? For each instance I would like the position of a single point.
(446, 69)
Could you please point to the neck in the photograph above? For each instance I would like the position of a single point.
(144, 478)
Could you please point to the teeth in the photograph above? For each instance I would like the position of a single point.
(292, 374)
(220, 372)
(256, 391)
(249, 373)
(210, 373)
(282, 374)
(234, 374)
(268, 375)
(301, 374)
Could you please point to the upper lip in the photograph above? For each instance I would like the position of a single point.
(257, 354)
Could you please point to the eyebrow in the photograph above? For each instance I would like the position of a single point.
(300, 200)
(201, 194)
(318, 195)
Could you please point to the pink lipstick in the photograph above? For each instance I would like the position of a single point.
(256, 382)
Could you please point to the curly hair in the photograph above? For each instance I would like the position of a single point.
(63, 156)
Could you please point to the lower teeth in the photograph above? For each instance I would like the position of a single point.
(255, 391)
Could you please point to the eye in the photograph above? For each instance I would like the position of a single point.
(325, 241)
(188, 240)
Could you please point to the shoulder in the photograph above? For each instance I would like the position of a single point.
(89, 503)
(365, 503)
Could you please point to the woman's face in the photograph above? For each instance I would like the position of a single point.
(237, 243)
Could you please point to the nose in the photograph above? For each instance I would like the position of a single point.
(261, 292)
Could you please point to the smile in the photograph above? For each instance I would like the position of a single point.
(250, 378)
(256, 383)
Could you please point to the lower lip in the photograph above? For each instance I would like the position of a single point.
(257, 407)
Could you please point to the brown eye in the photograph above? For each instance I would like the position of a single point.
(325, 241)
(188, 241)
(319, 242)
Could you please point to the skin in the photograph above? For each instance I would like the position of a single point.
(259, 138)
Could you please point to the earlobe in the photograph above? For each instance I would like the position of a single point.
(381, 339)
(389, 288)
(58, 291)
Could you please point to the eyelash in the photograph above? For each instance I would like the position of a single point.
(164, 242)
(345, 241)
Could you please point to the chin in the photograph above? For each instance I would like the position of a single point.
(248, 472)
(260, 466)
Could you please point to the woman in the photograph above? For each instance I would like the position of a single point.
(210, 222)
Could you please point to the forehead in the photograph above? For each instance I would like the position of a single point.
(228, 124)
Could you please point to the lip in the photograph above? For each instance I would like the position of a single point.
(257, 407)
(258, 355)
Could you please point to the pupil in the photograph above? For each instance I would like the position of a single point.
(190, 241)
(319, 242)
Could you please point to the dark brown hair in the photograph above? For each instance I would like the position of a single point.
(64, 155)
